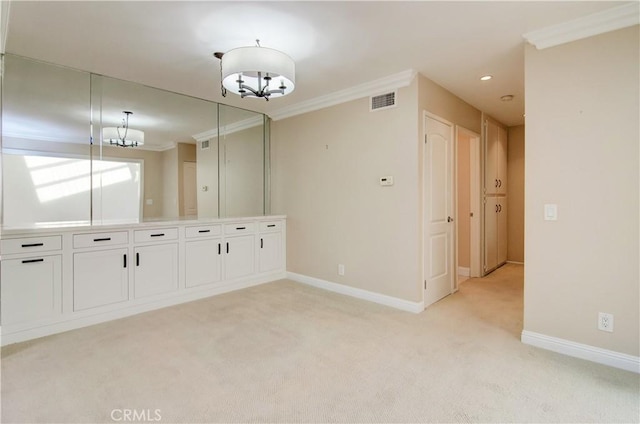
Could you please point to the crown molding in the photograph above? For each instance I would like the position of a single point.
(597, 23)
(229, 129)
(391, 82)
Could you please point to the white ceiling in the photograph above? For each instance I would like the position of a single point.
(336, 45)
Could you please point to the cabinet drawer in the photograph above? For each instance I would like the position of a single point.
(158, 234)
(100, 239)
(202, 231)
(243, 228)
(31, 244)
(270, 226)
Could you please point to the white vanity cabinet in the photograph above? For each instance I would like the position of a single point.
(203, 255)
(31, 290)
(156, 265)
(100, 269)
(239, 250)
(54, 281)
(270, 253)
(100, 278)
(31, 281)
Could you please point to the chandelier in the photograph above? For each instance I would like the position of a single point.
(123, 136)
(256, 72)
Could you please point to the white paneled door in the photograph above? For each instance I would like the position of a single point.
(438, 209)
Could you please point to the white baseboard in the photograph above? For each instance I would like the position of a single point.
(394, 302)
(582, 351)
(515, 262)
(463, 271)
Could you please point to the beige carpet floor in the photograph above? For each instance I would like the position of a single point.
(285, 352)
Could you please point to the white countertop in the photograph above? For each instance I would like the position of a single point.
(49, 228)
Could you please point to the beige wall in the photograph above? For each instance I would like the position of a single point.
(326, 167)
(515, 194)
(582, 132)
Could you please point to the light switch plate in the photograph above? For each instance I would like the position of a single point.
(550, 212)
(386, 181)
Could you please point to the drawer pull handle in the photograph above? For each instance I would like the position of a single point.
(137, 259)
(204, 231)
(102, 239)
(125, 260)
(157, 235)
(30, 261)
(33, 245)
(241, 228)
(271, 225)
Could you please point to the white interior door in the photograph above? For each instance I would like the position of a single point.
(438, 209)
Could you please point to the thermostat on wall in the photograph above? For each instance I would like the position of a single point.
(386, 181)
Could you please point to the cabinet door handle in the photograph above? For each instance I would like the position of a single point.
(499, 208)
(124, 258)
(157, 235)
(496, 208)
(499, 183)
(30, 261)
(261, 243)
(102, 239)
(241, 228)
(227, 247)
(33, 245)
(204, 231)
(137, 259)
(496, 182)
(219, 250)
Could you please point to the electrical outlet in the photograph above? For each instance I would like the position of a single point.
(340, 269)
(605, 322)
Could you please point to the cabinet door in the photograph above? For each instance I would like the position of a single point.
(100, 278)
(270, 252)
(156, 270)
(203, 262)
(501, 161)
(501, 253)
(239, 260)
(491, 157)
(31, 289)
(490, 233)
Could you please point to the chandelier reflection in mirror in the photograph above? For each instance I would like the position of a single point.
(256, 72)
(123, 136)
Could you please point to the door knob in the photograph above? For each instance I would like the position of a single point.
(449, 219)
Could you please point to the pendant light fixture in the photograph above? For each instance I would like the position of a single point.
(123, 136)
(256, 72)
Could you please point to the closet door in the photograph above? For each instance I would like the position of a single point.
(501, 251)
(501, 160)
(491, 157)
(490, 233)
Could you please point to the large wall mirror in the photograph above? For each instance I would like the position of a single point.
(80, 148)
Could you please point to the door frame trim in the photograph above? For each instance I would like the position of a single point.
(453, 249)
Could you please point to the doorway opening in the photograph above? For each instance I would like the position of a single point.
(467, 205)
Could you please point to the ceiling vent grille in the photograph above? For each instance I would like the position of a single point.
(383, 101)
(204, 145)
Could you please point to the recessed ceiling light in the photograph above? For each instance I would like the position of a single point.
(486, 77)
(507, 98)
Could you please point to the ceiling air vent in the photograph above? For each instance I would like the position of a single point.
(383, 101)
(204, 145)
